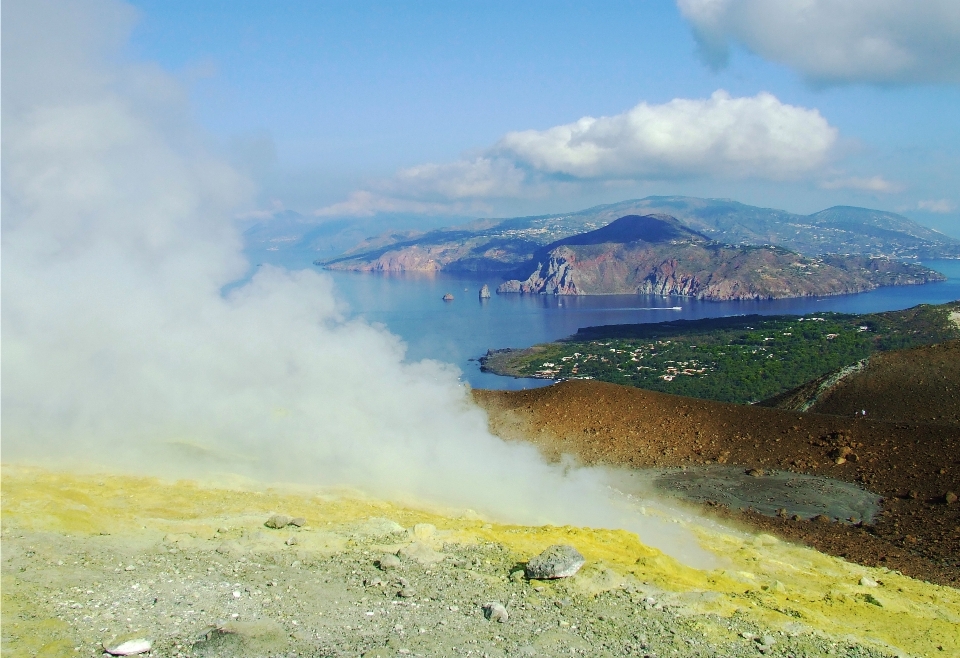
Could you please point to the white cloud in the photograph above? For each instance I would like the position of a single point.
(721, 137)
(937, 205)
(837, 41)
(872, 184)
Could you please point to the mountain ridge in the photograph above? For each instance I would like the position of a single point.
(491, 245)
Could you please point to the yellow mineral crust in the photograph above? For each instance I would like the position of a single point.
(778, 584)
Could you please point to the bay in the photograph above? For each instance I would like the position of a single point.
(410, 305)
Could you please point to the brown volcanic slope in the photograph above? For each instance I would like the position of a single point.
(911, 465)
(920, 385)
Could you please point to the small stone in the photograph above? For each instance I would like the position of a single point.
(291, 541)
(494, 611)
(821, 518)
(388, 561)
(407, 593)
(129, 567)
(782, 512)
(756, 472)
(840, 460)
(130, 647)
(950, 498)
(298, 521)
(767, 640)
(278, 521)
(868, 582)
(913, 495)
(557, 561)
(517, 576)
(222, 530)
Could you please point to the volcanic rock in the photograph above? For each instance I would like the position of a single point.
(278, 521)
(388, 562)
(495, 611)
(557, 561)
(129, 648)
(420, 552)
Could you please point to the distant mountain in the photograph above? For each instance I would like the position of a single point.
(503, 245)
(656, 254)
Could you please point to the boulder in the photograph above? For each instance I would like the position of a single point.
(558, 561)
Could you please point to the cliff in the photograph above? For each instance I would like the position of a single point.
(656, 254)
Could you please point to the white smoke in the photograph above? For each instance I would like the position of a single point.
(119, 349)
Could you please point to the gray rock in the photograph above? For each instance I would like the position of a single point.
(495, 611)
(420, 552)
(388, 561)
(558, 561)
(298, 521)
(278, 521)
(485, 292)
(129, 648)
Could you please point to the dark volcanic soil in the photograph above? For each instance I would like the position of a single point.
(911, 465)
(921, 385)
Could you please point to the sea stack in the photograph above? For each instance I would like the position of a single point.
(485, 292)
(448, 297)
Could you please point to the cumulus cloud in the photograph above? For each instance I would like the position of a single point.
(121, 351)
(721, 136)
(872, 184)
(937, 205)
(737, 137)
(836, 41)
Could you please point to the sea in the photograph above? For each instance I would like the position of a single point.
(459, 331)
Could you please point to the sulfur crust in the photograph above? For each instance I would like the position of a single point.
(776, 583)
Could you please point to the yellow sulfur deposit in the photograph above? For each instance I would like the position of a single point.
(779, 585)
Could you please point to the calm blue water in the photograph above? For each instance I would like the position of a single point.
(410, 305)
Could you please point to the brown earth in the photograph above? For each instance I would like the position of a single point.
(911, 465)
(919, 385)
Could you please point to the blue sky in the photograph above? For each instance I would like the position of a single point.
(400, 103)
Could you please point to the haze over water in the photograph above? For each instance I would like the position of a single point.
(456, 332)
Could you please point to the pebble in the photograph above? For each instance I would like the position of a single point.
(557, 561)
(129, 567)
(495, 611)
(291, 541)
(407, 593)
(868, 582)
(821, 518)
(278, 521)
(756, 472)
(950, 497)
(130, 647)
(388, 561)
(298, 521)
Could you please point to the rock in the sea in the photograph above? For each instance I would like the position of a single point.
(558, 561)
(448, 297)
(495, 611)
(278, 521)
(129, 648)
(485, 292)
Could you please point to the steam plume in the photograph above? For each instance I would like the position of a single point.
(120, 350)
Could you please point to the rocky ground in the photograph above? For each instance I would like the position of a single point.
(914, 467)
(92, 562)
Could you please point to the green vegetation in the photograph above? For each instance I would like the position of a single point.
(734, 359)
